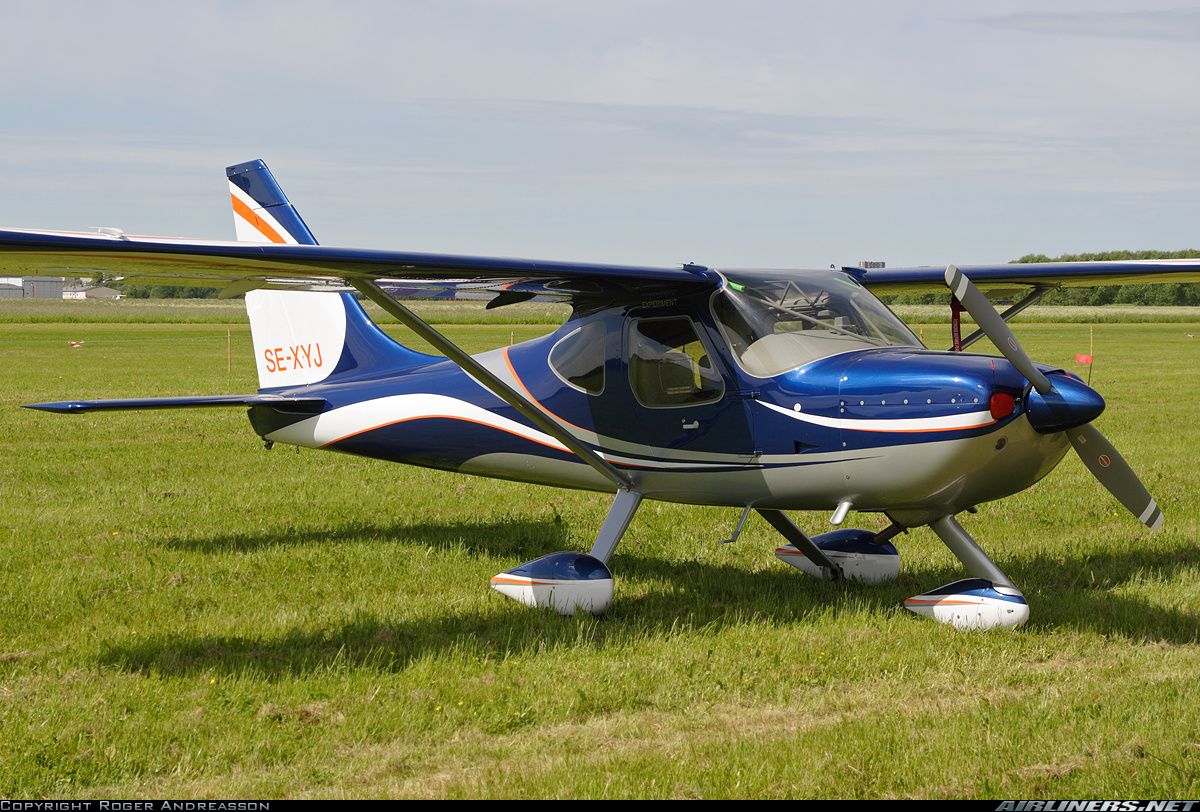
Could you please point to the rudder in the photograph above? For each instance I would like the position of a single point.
(261, 211)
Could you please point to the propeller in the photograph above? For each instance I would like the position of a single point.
(1097, 453)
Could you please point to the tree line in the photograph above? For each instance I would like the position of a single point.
(1176, 293)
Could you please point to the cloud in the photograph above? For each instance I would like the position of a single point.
(609, 131)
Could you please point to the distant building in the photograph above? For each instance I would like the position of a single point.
(9, 291)
(90, 292)
(35, 287)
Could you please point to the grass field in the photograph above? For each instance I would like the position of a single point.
(187, 614)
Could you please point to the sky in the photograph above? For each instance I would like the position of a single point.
(755, 133)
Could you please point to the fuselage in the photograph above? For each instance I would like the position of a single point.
(700, 406)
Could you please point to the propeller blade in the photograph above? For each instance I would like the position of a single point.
(1108, 466)
(1097, 453)
(994, 327)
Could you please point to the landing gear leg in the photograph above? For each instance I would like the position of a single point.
(801, 552)
(568, 581)
(987, 601)
(615, 524)
(856, 555)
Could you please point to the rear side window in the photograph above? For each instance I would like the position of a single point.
(578, 358)
(669, 365)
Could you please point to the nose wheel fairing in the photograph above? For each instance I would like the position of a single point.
(972, 603)
(989, 600)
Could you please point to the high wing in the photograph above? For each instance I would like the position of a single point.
(236, 267)
(1017, 276)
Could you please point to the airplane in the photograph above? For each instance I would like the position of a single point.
(759, 389)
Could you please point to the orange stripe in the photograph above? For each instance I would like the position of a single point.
(535, 401)
(924, 431)
(243, 211)
(496, 579)
(946, 602)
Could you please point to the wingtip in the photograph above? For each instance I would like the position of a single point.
(62, 407)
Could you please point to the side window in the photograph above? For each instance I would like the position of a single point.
(669, 366)
(578, 358)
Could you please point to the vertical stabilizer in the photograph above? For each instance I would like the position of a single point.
(303, 338)
(261, 211)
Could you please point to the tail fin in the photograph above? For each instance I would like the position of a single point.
(261, 211)
(303, 338)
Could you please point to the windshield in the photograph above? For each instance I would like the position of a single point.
(779, 320)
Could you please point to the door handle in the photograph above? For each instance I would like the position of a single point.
(695, 424)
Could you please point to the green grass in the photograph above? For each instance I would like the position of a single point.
(187, 614)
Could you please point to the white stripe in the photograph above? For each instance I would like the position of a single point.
(266, 216)
(962, 287)
(337, 423)
(1158, 523)
(359, 417)
(969, 420)
(368, 414)
(1148, 512)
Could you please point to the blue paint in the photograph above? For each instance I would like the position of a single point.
(853, 541)
(307, 405)
(566, 566)
(1069, 404)
(256, 180)
(976, 587)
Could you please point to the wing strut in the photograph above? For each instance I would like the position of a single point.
(490, 382)
(1033, 297)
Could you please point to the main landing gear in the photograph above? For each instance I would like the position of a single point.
(568, 582)
(989, 600)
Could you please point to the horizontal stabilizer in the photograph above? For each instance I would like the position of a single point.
(75, 406)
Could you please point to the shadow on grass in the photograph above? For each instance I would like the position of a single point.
(522, 538)
(1077, 593)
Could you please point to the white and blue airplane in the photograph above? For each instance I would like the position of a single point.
(767, 390)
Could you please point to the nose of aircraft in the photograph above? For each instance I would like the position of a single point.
(1069, 404)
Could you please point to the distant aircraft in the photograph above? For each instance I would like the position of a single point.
(767, 390)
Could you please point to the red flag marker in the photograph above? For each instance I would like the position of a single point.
(1083, 359)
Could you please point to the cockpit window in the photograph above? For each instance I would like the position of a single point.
(578, 358)
(779, 320)
(669, 365)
